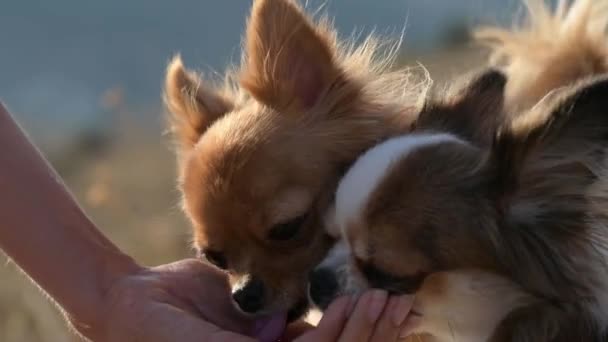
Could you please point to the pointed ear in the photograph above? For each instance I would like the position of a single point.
(288, 61)
(193, 107)
(564, 132)
(472, 112)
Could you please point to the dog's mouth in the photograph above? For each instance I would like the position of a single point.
(271, 327)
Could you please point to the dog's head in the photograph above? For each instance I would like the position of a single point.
(392, 205)
(260, 159)
(507, 199)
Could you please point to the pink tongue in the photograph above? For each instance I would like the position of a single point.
(270, 328)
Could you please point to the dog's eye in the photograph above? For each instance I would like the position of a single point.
(378, 278)
(215, 258)
(287, 230)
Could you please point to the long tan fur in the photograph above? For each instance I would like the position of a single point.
(370, 64)
(260, 152)
(550, 49)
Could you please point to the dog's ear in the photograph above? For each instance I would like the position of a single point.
(561, 142)
(289, 62)
(472, 111)
(193, 106)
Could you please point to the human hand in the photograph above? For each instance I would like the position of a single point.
(183, 301)
(373, 317)
(190, 301)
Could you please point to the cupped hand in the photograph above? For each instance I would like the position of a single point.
(189, 301)
(184, 301)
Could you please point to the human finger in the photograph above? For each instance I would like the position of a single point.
(331, 324)
(389, 326)
(366, 313)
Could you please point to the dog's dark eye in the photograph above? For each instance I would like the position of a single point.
(378, 278)
(215, 258)
(288, 230)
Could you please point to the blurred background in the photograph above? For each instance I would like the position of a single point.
(84, 78)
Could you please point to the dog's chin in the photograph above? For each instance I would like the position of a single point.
(298, 310)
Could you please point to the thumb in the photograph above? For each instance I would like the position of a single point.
(207, 290)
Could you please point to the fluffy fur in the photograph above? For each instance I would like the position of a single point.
(463, 305)
(443, 122)
(260, 155)
(517, 206)
(357, 186)
(549, 49)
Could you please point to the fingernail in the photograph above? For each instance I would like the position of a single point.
(402, 309)
(376, 304)
(334, 314)
(412, 323)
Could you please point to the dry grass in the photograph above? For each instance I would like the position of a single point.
(129, 191)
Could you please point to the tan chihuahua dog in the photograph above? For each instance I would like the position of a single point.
(260, 155)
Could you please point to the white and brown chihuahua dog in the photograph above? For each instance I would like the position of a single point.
(494, 210)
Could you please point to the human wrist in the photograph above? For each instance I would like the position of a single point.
(92, 321)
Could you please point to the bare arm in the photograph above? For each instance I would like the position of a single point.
(104, 294)
(37, 213)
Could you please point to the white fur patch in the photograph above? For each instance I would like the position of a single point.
(338, 261)
(337, 257)
(329, 221)
(240, 283)
(366, 174)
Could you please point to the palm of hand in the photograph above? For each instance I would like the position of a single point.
(182, 301)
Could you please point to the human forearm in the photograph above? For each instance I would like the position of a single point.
(46, 233)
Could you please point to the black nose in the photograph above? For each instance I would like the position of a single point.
(250, 297)
(323, 287)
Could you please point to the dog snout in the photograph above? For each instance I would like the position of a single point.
(250, 296)
(323, 287)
